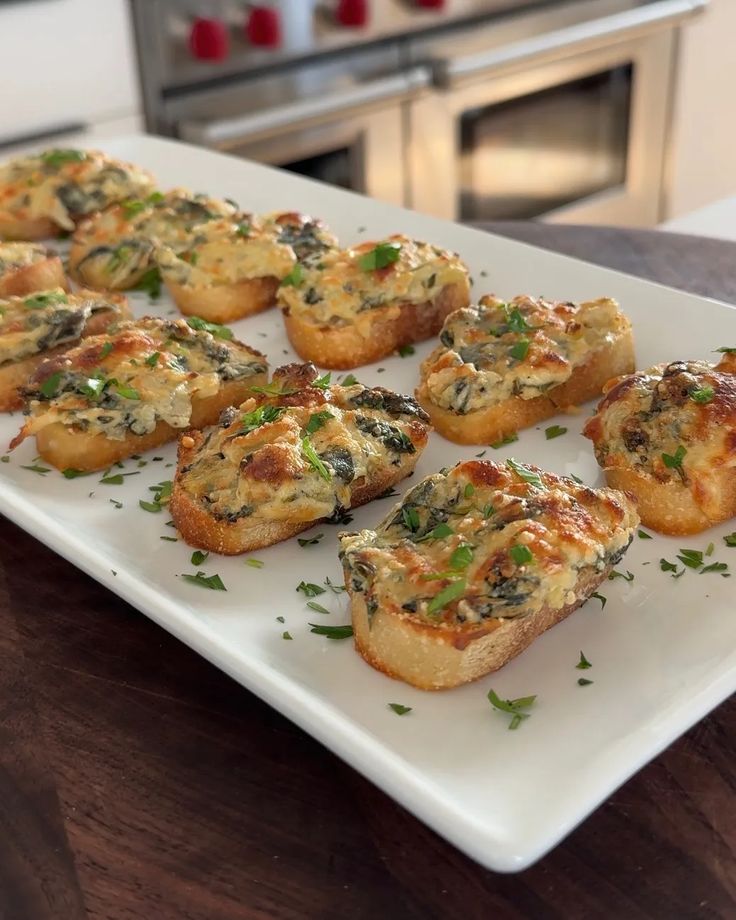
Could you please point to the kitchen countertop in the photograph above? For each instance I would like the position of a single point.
(137, 781)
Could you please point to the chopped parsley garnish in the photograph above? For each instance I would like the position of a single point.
(323, 382)
(702, 394)
(243, 229)
(280, 620)
(313, 605)
(286, 634)
(513, 707)
(332, 632)
(583, 664)
(272, 389)
(399, 709)
(294, 278)
(118, 505)
(439, 533)
(461, 557)
(127, 392)
(521, 554)
(406, 350)
(309, 589)
(515, 320)
(317, 420)
(152, 360)
(410, 518)
(42, 470)
(711, 549)
(481, 454)
(674, 461)
(727, 350)
(255, 563)
(488, 511)
(507, 439)
(263, 415)
(520, 349)
(584, 682)
(667, 566)
(309, 541)
(730, 539)
(643, 535)
(336, 589)
(106, 349)
(692, 558)
(215, 329)
(169, 539)
(198, 557)
(601, 598)
(446, 596)
(117, 479)
(70, 473)
(314, 459)
(350, 381)
(381, 256)
(152, 507)
(150, 283)
(38, 301)
(469, 490)
(714, 567)
(213, 582)
(59, 156)
(524, 472)
(614, 574)
(554, 431)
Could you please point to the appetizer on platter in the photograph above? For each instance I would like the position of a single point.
(133, 389)
(358, 305)
(28, 267)
(233, 269)
(667, 435)
(300, 452)
(42, 325)
(503, 366)
(115, 248)
(50, 192)
(473, 564)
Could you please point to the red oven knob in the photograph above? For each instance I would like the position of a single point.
(352, 13)
(209, 39)
(263, 27)
(432, 4)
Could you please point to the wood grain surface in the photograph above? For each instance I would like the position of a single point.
(137, 782)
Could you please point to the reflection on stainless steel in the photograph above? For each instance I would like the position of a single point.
(473, 109)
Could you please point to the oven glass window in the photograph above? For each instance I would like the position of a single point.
(336, 167)
(525, 157)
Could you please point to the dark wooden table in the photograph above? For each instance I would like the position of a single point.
(139, 783)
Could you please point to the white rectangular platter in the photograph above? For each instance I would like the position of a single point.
(663, 650)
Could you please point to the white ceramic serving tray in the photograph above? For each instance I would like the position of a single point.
(663, 650)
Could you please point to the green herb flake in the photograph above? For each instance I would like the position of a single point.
(198, 557)
(70, 473)
(508, 439)
(169, 539)
(524, 472)
(317, 420)
(150, 283)
(583, 664)
(514, 708)
(730, 539)
(336, 589)
(314, 459)
(381, 256)
(350, 381)
(215, 329)
(309, 541)
(615, 574)
(255, 563)
(521, 554)
(152, 360)
(674, 461)
(469, 490)
(601, 598)
(213, 582)
(243, 229)
(399, 709)
(714, 567)
(439, 533)
(127, 392)
(702, 395)
(151, 507)
(60, 156)
(643, 535)
(446, 596)
(286, 634)
(39, 301)
(323, 382)
(41, 470)
(5, 459)
(313, 605)
(461, 557)
(50, 385)
(272, 389)
(711, 549)
(117, 479)
(726, 350)
(692, 558)
(295, 277)
(263, 415)
(114, 502)
(520, 349)
(280, 620)
(332, 632)
(406, 351)
(584, 682)
(309, 589)
(410, 517)
(554, 431)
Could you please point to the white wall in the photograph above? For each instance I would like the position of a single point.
(703, 166)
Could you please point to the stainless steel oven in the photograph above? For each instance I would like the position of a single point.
(562, 114)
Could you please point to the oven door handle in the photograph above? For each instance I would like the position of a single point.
(304, 111)
(614, 28)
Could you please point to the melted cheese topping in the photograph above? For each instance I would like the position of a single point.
(19, 255)
(305, 459)
(116, 247)
(685, 406)
(41, 321)
(340, 290)
(481, 543)
(64, 185)
(523, 348)
(142, 373)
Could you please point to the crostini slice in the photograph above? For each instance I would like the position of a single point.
(668, 436)
(49, 192)
(28, 267)
(361, 304)
(501, 367)
(473, 564)
(299, 452)
(39, 326)
(233, 269)
(114, 249)
(133, 389)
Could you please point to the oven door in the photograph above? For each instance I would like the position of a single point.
(352, 137)
(570, 126)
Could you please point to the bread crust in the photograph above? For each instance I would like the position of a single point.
(18, 373)
(225, 303)
(494, 423)
(434, 658)
(66, 448)
(31, 229)
(43, 275)
(341, 348)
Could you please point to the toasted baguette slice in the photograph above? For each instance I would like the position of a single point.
(28, 267)
(45, 324)
(502, 367)
(473, 564)
(231, 269)
(125, 392)
(115, 248)
(300, 452)
(667, 436)
(49, 192)
(358, 305)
